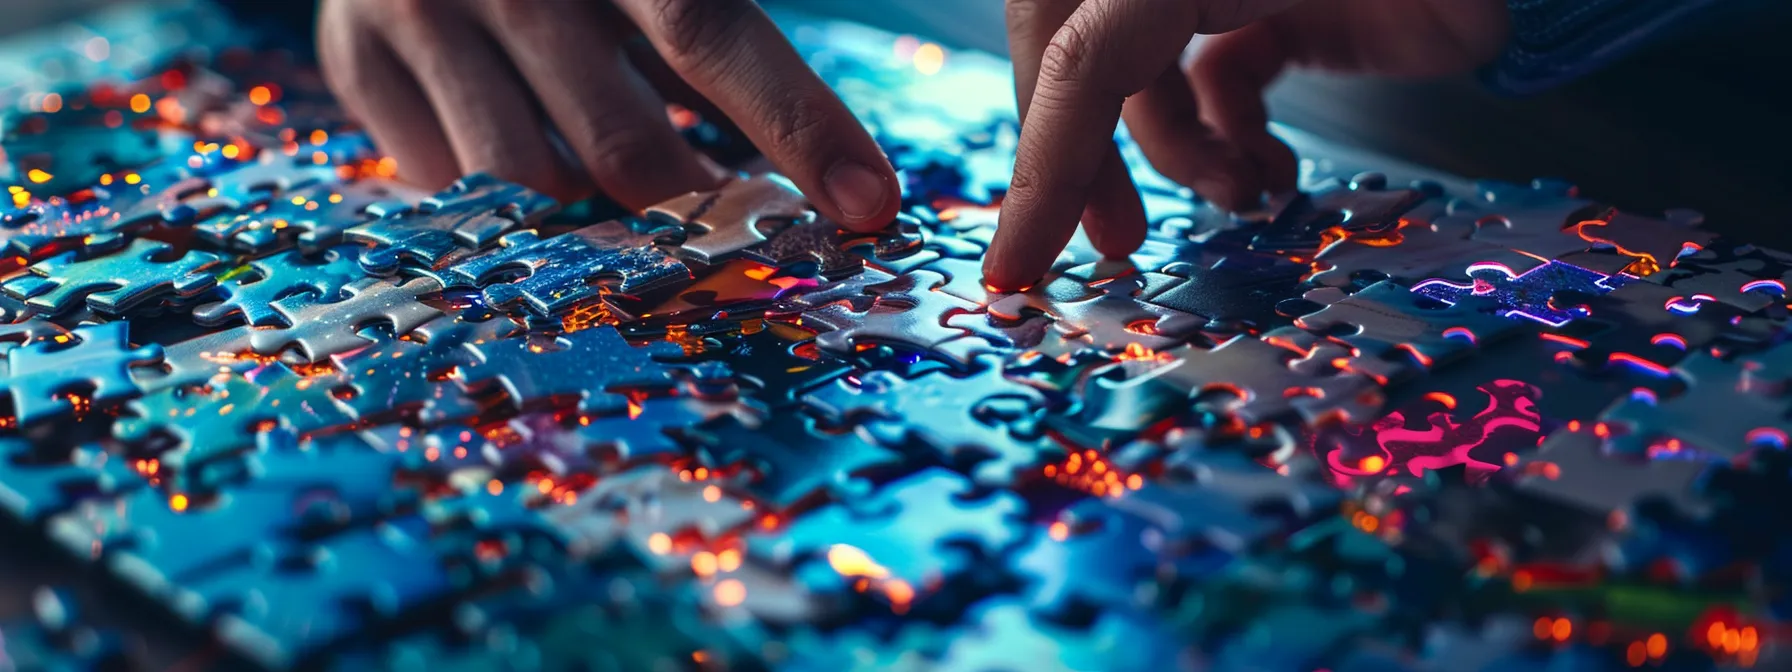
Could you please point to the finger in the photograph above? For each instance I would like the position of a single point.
(1106, 51)
(731, 53)
(610, 117)
(1113, 216)
(1230, 75)
(1165, 119)
(490, 118)
(376, 88)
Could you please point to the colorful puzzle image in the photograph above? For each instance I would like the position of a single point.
(267, 407)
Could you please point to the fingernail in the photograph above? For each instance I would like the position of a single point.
(857, 190)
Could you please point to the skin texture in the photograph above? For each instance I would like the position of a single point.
(456, 86)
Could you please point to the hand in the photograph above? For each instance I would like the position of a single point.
(449, 87)
(1082, 65)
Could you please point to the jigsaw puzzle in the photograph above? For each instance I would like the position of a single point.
(272, 409)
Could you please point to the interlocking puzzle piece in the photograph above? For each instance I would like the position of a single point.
(1417, 250)
(1648, 325)
(1654, 243)
(230, 414)
(966, 416)
(94, 362)
(558, 271)
(48, 642)
(1106, 315)
(791, 462)
(157, 194)
(1363, 205)
(1538, 219)
(321, 327)
(314, 216)
(1385, 320)
(1572, 468)
(739, 215)
(199, 359)
(919, 529)
(588, 366)
(776, 362)
(1727, 408)
(739, 286)
(469, 215)
(113, 283)
(906, 310)
(254, 288)
(1232, 502)
(1744, 276)
(1259, 382)
(1526, 295)
(1006, 637)
(37, 482)
(1232, 296)
(831, 249)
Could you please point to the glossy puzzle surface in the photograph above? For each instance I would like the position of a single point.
(280, 411)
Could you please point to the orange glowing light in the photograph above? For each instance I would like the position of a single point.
(261, 95)
(929, 58)
(1374, 464)
(1657, 645)
(730, 592)
(850, 561)
(703, 563)
(179, 503)
(659, 543)
(1562, 629)
(140, 103)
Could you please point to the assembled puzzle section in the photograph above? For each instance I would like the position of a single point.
(315, 419)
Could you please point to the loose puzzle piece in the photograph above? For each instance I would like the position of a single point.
(739, 215)
(320, 327)
(1363, 205)
(791, 461)
(907, 310)
(254, 289)
(1387, 320)
(1107, 315)
(1526, 295)
(1648, 325)
(469, 215)
(558, 272)
(50, 377)
(1747, 277)
(114, 283)
(232, 414)
(1539, 219)
(1257, 382)
(1423, 250)
(1571, 467)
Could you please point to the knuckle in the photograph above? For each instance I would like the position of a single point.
(627, 157)
(1067, 56)
(692, 29)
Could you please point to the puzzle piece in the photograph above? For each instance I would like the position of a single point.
(1386, 320)
(830, 248)
(1231, 502)
(644, 434)
(588, 366)
(1653, 243)
(93, 362)
(907, 310)
(314, 216)
(1648, 325)
(469, 215)
(558, 271)
(1424, 249)
(199, 359)
(967, 413)
(253, 290)
(1106, 315)
(1096, 556)
(1232, 296)
(1526, 295)
(1538, 219)
(1749, 394)
(1257, 381)
(633, 506)
(1363, 205)
(231, 414)
(271, 175)
(320, 328)
(1572, 468)
(114, 283)
(1009, 638)
(1747, 277)
(741, 214)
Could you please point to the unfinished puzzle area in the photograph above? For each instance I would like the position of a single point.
(266, 407)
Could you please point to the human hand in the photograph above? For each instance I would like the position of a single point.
(1082, 65)
(449, 87)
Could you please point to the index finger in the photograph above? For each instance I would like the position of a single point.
(729, 51)
(1106, 51)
